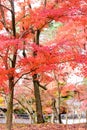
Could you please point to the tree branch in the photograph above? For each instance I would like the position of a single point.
(21, 18)
(3, 20)
(42, 86)
(22, 105)
(29, 89)
(6, 7)
(23, 75)
(28, 78)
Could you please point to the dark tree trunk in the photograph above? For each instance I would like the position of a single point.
(59, 114)
(10, 77)
(38, 101)
(39, 113)
(60, 121)
(45, 3)
(10, 105)
(37, 35)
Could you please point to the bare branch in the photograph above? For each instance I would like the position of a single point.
(3, 20)
(30, 89)
(22, 105)
(28, 78)
(6, 7)
(24, 75)
(42, 86)
(21, 77)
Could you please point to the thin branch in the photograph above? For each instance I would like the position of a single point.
(42, 86)
(8, 58)
(3, 20)
(83, 99)
(22, 105)
(25, 108)
(29, 88)
(21, 77)
(24, 33)
(6, 7)
(24, 75)
(28, 78)
(4, 24)
(27, 32)
(21, 18)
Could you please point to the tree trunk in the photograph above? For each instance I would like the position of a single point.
(59, 112)
(60, 121)
(59, 106)
(40, 118)
(10, 105)
(10, 77)
(39, 113)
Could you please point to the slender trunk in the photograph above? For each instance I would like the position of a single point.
(59, 113)
(45, 3)
(10, 77)
(37, 36)
(38, 101)
(13, 18)
(10, 105)
(60, 121)
(59, 103)
(39, 113)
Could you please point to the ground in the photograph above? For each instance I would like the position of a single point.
(47, 126)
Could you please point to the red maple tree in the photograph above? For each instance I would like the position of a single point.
(23, 27)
